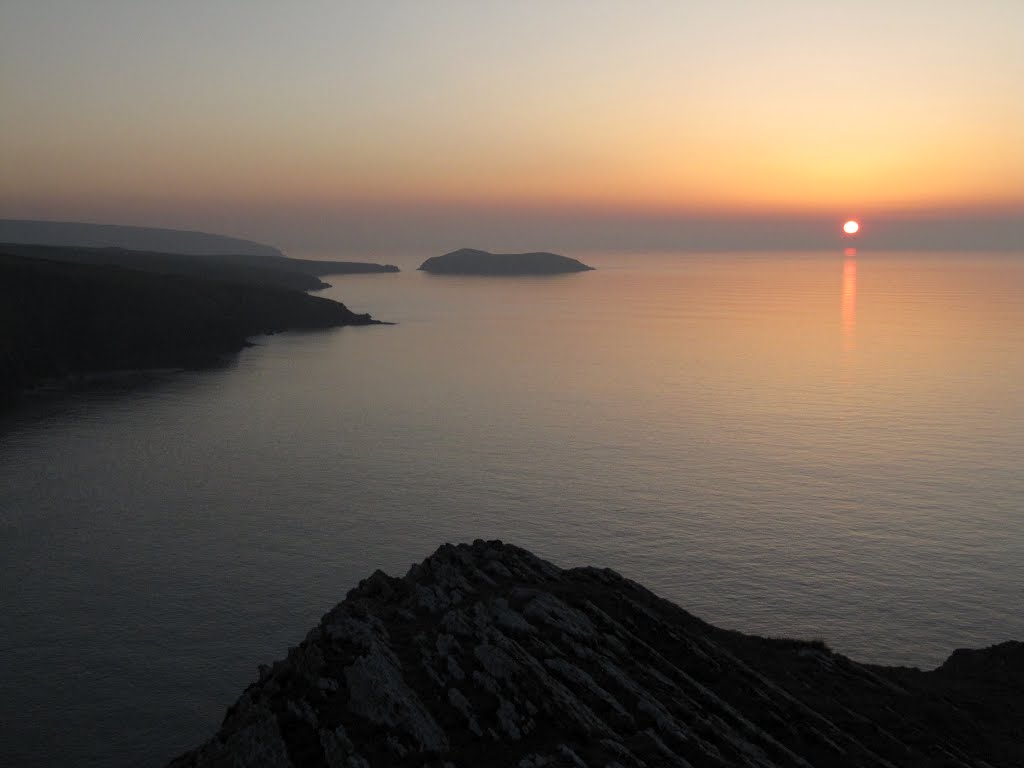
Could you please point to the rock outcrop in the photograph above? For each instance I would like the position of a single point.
(469, 261)
(488, 655)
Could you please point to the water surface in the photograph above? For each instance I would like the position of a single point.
(807, 445)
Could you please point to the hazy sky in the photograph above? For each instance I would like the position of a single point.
(323, 123)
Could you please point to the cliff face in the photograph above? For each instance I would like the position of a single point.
(487, 655)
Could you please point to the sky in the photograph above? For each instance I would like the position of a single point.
(333, 125)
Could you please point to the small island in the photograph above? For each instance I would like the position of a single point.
(470, 261)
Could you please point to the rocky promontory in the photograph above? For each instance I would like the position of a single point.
(63, 321)
(485, 654)
(321, 268)
(469, 261)
(258, 269)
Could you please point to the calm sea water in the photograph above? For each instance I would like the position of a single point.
(806, 445)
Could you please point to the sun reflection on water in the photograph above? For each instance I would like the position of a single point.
(849, 300)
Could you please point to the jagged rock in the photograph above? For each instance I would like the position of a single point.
(487, 655)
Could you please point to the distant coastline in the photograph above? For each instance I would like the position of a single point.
(71, 313)
(172, 251)
(88, 235)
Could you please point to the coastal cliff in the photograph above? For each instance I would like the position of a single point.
(65, 320)
(485, 654)
(469, 261)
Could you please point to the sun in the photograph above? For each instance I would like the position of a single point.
(851, 227)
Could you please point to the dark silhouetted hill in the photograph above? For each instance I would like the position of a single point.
(63, 320)
(262, 270)
(129, 238)
(486, 655)
(173, 252)
(469, 261)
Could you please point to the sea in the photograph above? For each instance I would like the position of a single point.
(816, 444)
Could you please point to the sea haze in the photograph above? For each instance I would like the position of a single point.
(811, 445)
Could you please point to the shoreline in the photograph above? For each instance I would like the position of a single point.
(71, 321)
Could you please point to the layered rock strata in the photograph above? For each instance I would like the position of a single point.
(487, 655)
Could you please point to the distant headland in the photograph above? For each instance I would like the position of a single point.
(128, 237)
(470, 261)
(172, 251)
(73, 310)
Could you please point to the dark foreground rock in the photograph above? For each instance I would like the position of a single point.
(487, 655)
(468, 261)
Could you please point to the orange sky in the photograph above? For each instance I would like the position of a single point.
(115, 111)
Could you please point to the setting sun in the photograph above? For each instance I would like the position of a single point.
(851, 227)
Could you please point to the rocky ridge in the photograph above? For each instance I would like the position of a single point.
(485, 654)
